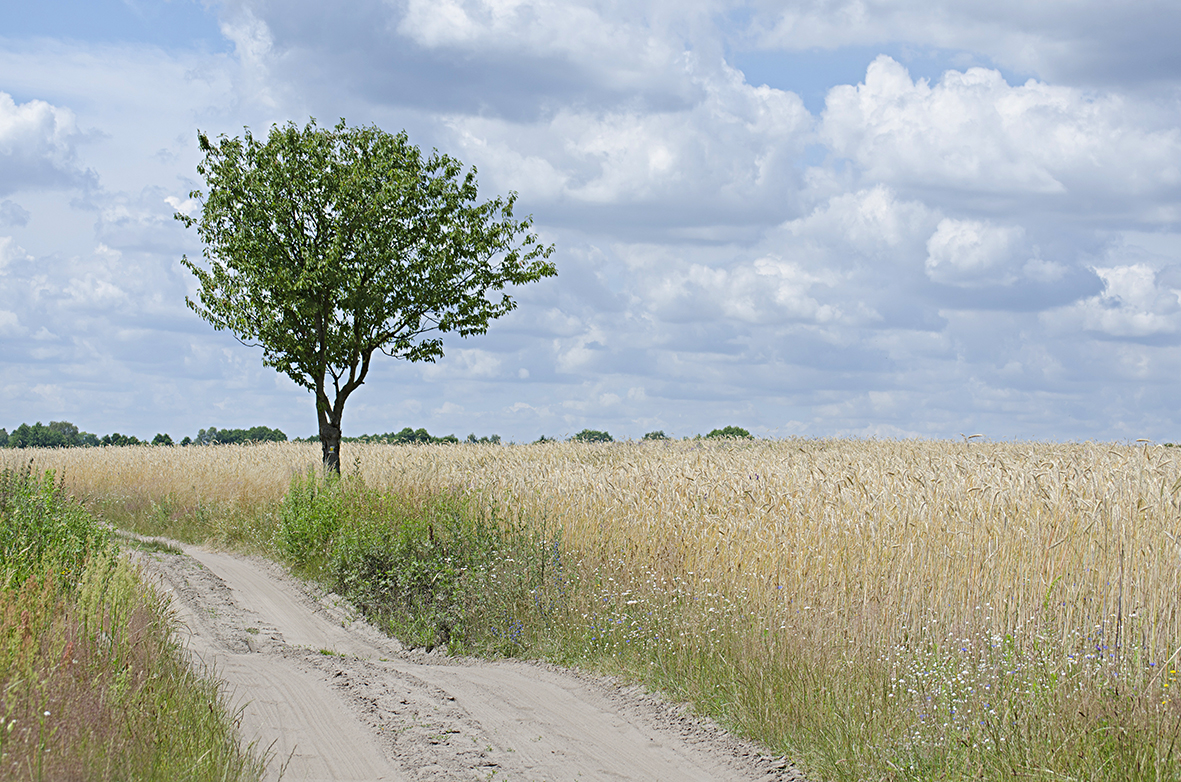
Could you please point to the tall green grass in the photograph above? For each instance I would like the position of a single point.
(431, 570)
(93, 684)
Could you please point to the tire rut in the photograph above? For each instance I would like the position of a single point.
(329, 697)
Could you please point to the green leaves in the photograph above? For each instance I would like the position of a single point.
(323, 246)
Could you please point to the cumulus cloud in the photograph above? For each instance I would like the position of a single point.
(13, 215)
(766, 290)
(611, 42)
(11, 252)
(973, 252)
(727, 158)
(254, 46)
(464, 362)
(871, 224)
(1061, 40)
(974, 133)
(1137, 302)
(922, 257)
(37, 146)
(9, 323)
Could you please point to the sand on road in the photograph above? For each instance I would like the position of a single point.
(329, 697)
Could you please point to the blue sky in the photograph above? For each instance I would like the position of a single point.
(824, 218)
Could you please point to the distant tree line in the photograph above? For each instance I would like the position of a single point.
(255, 434)
(409, 436)
(63, 434)
(595, 436)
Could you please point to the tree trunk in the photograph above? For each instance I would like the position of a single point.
(330, 444)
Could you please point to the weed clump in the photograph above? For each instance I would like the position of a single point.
(433, 570)
(40, 525)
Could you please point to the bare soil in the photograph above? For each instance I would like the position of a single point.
(329, 697)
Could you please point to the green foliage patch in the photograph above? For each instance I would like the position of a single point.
(732, 432)
(255, 434)
(59, 434)
(431, 571)
(40, 525)
(593, 436)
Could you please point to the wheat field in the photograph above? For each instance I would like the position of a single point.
(954, 569)
(883, 537)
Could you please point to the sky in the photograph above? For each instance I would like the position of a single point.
(824, 218)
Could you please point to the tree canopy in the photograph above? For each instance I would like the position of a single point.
(324, 246)
(593, 436)
(730, 432)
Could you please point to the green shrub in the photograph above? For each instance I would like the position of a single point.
(431, 571)
(255, 434)
(309, 519)
(400, 572)
(733, 432)
(592, 436)
(40, 522)
(657, 435)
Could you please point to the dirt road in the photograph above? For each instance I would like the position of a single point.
(334, 699)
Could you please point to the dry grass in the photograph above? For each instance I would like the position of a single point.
(950, 571)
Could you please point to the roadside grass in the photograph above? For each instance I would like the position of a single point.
(93, 684)
(874, 610)
(429, 569)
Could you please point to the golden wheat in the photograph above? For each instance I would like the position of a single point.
(870, 541)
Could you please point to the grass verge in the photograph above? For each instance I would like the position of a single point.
(93, 684)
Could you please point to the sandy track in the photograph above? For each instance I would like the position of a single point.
(334, 699)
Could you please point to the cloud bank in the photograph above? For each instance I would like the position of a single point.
(992, 244)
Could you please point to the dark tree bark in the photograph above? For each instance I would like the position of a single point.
(330, 445)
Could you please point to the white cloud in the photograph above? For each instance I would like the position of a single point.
(872, 222)
(767, 290)
(11, 252)
(732, 148)
(579, 354)
(615, 43)
(719, 263)
(188, 206)
(37, 145)
(13, 214)
(1135, 303)
(974, 132)
(254, 47)
(1062, 40)
(9, 323)
(464, 362)
(973, 252)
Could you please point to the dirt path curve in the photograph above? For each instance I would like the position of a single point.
(334, 699)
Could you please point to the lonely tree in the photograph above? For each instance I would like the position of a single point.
(324, 246)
